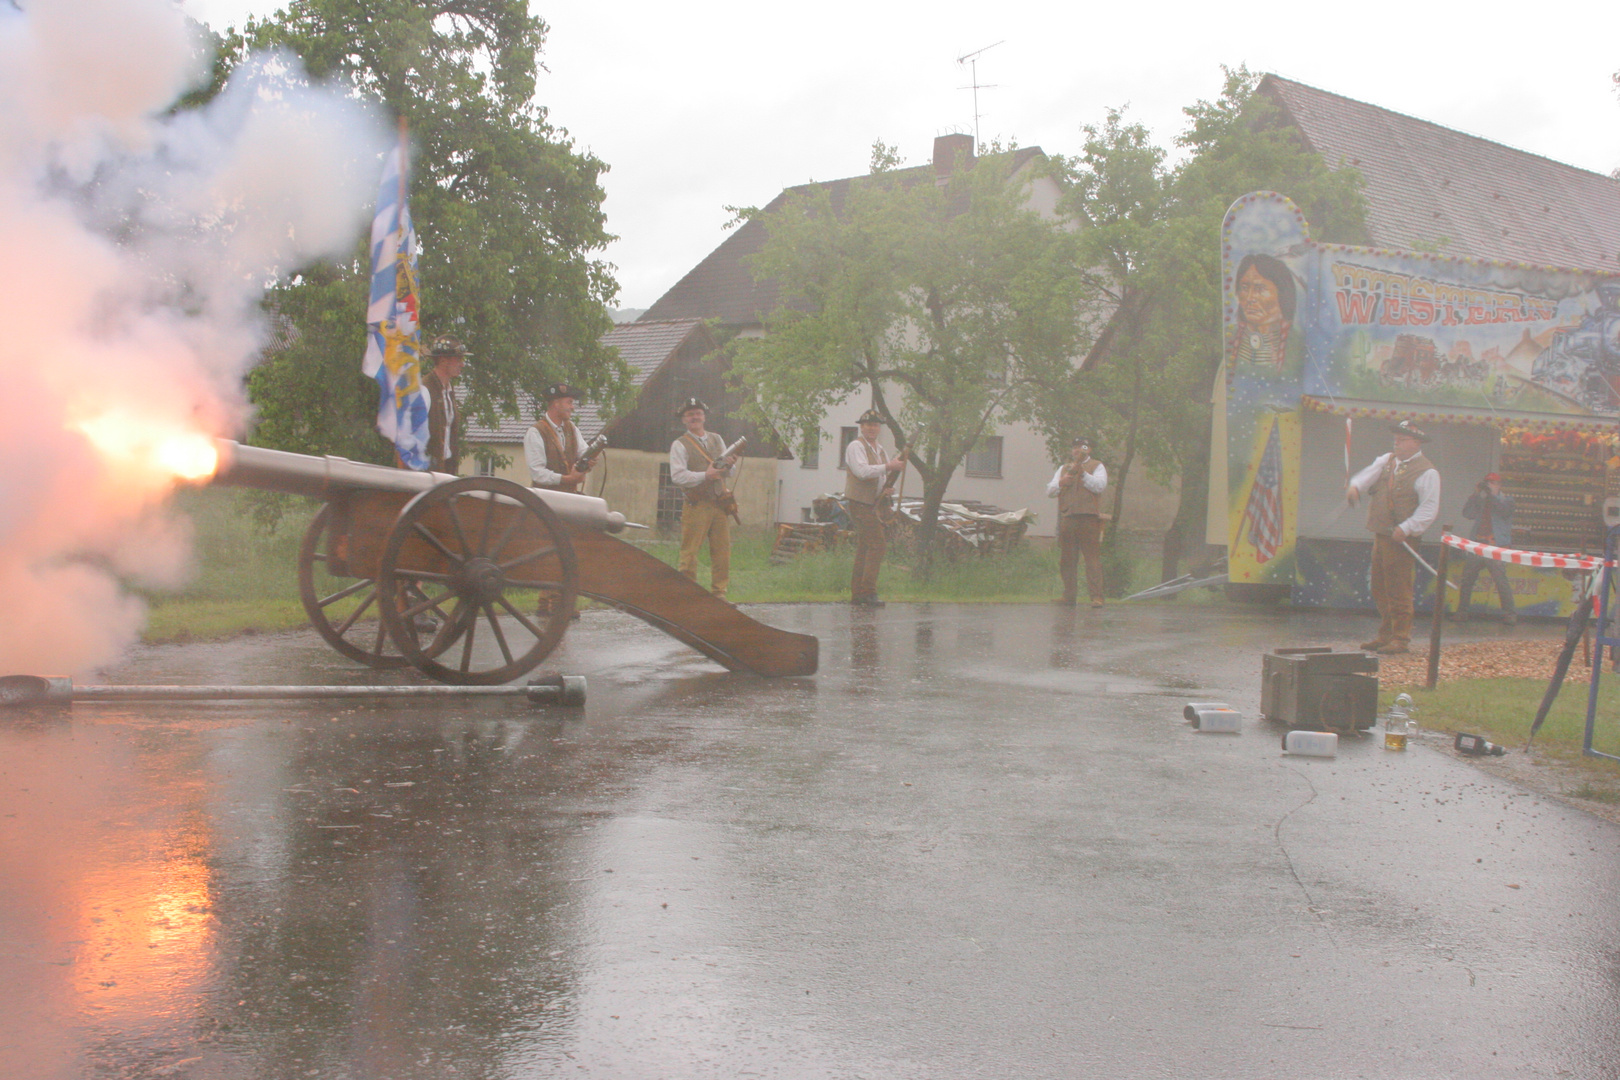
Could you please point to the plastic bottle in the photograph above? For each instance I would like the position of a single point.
(1311, 743)
(1223, 719)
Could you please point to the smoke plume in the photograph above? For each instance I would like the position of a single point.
(134, 246)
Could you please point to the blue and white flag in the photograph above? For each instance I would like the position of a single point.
(393, 341)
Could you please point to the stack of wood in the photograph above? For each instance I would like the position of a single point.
(966, 528)
(793, 540)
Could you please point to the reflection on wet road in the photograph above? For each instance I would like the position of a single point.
(980, 843)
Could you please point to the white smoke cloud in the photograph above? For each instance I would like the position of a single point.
(133, 249)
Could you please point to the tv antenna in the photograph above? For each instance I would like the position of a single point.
(972, 60)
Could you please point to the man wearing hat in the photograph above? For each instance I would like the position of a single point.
(869, 468)
(1491, 509)
(449, 356)
(1078, 486)
(1403, 490)
(552, 446)
(697, 466)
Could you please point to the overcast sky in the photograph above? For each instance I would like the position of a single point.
(700, 106)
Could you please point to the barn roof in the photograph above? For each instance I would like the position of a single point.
(1430, 187)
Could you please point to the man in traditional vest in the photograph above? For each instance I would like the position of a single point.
(697, 467)
(449, 356)
(552, 446)
(1403, 490)
(1078, 486)
(869, 467)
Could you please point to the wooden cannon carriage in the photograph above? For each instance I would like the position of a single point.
(473, 580)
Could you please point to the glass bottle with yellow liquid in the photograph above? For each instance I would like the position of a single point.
(1398, 723)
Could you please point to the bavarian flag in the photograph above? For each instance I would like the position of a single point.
(393, 340)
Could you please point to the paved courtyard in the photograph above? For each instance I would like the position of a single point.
(980, 843)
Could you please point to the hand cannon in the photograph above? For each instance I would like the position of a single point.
(473, 580)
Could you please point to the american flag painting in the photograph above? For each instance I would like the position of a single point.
(1263, 515)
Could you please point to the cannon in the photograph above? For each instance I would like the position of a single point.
(473, 580)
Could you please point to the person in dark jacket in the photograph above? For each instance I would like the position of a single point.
(445, 426)
(1491, 510)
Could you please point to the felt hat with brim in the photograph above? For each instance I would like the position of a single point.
(1081, 440)
(689, 404)
(560, 390)
(1410, 430)
(870, 416)
(448, 347)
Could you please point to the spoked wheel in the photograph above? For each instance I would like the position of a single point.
(358, 632)
(495, 567)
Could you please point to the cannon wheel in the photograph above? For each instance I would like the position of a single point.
(484, 548)
(364, 641)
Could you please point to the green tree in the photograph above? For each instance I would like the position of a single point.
(1157, 234)
(951, 304)
(508, 213)
(1116, 192)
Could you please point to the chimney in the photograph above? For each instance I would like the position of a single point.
(947, 148)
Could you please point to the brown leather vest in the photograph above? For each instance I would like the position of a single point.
(560, 458)
(865, 491)
(1077, 499)
(1394, 494)
(712, 447)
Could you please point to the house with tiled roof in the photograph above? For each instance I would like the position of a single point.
(670, 360)
(1010, 468)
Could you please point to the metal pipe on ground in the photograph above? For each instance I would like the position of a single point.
(22, 690)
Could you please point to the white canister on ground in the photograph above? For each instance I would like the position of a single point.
(1311, 743)
(1190, 711)
(1217, 720)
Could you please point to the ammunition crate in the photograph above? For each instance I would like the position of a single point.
(1319, 689)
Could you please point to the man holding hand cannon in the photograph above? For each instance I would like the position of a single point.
(699, 467)
(1078, 486)
(1403, 490)
(870, 467)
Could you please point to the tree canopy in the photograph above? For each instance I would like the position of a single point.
(1156, 232)
(508, 214)
(950, 304)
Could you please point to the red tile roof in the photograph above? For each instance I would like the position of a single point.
(1426, 183)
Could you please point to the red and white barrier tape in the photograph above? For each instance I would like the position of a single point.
(1523, 558)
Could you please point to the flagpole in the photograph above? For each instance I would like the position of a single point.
(399, 224)
(404, 160)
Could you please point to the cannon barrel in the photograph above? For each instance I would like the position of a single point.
(324, 477)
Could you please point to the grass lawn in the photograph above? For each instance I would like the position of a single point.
(246, 579)
(1502, 710)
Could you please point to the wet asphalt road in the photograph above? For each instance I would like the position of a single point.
(981, 843)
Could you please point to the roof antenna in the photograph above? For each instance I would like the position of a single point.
(972, 60)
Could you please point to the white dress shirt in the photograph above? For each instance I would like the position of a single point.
(1095, 481)
(1427, 487)
(855, 460)
(688, 474)
(534, 450)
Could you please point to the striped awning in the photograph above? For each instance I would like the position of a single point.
(1502, 419)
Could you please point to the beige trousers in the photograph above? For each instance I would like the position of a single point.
(1393, 572)
(702, 521)
(870, 543)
